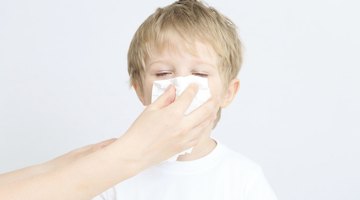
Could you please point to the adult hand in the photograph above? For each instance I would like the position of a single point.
(160, 132)
(163, 129)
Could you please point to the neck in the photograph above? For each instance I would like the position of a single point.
(203, 148)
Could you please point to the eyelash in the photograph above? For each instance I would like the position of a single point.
(162, 74)
(200, 74)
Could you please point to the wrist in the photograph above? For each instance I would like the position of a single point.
(130, 154)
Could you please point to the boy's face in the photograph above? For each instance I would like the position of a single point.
(174, 62)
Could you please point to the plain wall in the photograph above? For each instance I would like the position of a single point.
(64, 84)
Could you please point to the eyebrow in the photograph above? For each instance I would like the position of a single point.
(196, 63)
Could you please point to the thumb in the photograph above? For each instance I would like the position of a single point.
(165, 99)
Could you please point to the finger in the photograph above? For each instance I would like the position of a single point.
(196, 117)
(194, 136)
(184, 100)
(165, 99)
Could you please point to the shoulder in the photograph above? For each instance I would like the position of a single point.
(243, 171)
(236, 159)
(237, 165)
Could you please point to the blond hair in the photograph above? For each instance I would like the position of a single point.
(193, 21)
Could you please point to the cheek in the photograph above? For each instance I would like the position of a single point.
(216, 87)
(147, 92)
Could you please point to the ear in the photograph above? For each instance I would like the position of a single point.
(230, 92)
(139, 92)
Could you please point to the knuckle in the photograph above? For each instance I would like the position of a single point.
(182, 132)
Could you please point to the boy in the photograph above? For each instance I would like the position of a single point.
(188, 38)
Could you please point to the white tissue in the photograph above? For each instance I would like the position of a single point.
(181, 83)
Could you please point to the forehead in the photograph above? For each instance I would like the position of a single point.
(172, 44)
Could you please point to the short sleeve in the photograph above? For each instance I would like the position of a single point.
(259, 188)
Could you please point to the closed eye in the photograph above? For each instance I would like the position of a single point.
(163, 74)
(200, 74)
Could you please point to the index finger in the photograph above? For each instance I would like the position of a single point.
(185, 99)
(165, 99)
(208, 109)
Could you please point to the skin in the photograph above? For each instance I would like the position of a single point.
(201, 61)
(88, 171)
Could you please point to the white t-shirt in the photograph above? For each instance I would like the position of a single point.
(223, 174)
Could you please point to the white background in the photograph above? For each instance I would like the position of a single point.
(64, 84)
